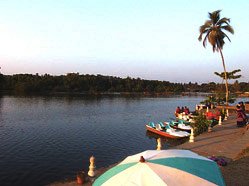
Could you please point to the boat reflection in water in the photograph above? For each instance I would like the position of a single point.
(166, 142)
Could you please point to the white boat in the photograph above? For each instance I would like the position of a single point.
(181, 125)
(164, 129)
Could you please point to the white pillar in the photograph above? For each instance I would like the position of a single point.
(196, 107)
(91, 171)
(227, 113)
(220, 123)
(159, 144)
(207, 109)
(191, 138)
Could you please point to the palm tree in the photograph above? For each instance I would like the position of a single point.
(214, 31)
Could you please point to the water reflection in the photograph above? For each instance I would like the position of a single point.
(52, 138)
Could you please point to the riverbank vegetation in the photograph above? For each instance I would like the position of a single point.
(94, 84)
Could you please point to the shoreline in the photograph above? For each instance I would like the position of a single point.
(111, 94)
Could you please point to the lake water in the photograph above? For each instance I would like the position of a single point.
(49, 139)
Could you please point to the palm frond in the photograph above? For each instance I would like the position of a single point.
(208, 23)
(215, 16)
(235, 77)
(228, 28)
(235, 71)
(210, 15)
(220, 43)
(213, 29)
(200, 37)
(205, 40)
(224, 35)
(218, 74)
(230, 75)
(203, 29)
(223, 20)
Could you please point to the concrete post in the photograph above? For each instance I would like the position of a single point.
(191, 138)
(220, 123)
(159, 144)
(227, 113)
(92, 167)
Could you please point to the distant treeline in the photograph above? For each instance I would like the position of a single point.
(76, 83)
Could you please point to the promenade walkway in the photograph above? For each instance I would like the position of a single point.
(225, 140)
(229, 142)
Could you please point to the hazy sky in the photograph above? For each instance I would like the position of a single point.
(150, 39)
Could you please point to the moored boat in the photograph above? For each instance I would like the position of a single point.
(165, 130)
(180, 125)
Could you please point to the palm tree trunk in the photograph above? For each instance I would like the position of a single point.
(226, 83)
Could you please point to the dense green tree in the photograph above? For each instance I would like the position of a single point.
(236, 86)
(92, 84)
(244, 87)
(1, 81)
(214, 32)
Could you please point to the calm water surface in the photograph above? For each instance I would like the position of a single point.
(49, 139)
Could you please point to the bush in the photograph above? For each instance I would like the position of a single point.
(201, 124)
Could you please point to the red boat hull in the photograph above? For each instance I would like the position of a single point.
(161, 133)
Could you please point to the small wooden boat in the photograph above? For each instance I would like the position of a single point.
(165, 130)
(180, 125)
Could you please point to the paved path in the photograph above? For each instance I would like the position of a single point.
(225, 140)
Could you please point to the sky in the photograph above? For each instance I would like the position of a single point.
(154, 40)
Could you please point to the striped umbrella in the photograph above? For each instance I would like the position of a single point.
(163, 167)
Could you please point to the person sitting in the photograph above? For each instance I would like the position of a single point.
(178, 111)
(209, 116)
(186, 110)
(241, 117)
(217, 114)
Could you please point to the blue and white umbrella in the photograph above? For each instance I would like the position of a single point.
(164, 167)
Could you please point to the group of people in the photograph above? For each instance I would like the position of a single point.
(242, 118)
(184, 110)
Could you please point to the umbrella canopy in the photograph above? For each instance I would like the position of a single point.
(163, 167)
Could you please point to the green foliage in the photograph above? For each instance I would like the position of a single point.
(77, 83)
(92, 84)
(221, 98)
(230, 75)
(210, 100)
(218, 99)
(201, 124)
